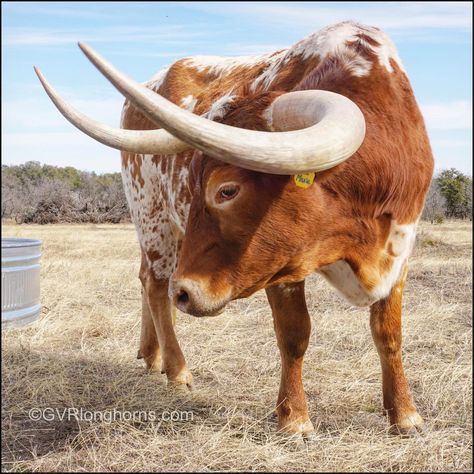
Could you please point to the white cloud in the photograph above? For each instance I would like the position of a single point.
(448, 115)
(42, 8)
(177, 34)
(417, 19)
(387, 15)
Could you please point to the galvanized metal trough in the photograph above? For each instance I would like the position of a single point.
(20, 281)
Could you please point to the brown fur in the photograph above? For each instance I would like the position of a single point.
(273, 234)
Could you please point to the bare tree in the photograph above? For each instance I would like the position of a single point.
(435, 204)
(46, 194)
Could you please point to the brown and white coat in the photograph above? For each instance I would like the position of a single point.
(355, 225)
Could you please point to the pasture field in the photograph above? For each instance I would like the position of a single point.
(81, 354)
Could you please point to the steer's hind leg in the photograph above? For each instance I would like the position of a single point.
(292, 328)
(149, 346)
(172, 358)
(386, 326)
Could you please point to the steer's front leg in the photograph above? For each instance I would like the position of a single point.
(386, 326)
(292, 327)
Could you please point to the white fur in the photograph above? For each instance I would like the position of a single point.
(159, 216)
(387, 51)
(402, 239)
(157, 80)
(399, 245)
(341, 276)
(265, 79)
(219, 107)
(221, 64)
(189, 102)
(333, 40)
(287, 289)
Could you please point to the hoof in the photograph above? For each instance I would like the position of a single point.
(182, 382)
(410, 425)
(298, 437)
(180, 388)
(310, 438)
(294, 427)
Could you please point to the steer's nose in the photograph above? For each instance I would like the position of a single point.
(183, 293)
(189, 297)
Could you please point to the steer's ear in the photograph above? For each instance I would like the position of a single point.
(195, 171)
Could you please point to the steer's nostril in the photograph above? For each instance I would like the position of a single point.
(182, 297)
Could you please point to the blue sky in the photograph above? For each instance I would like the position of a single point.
(434, 40)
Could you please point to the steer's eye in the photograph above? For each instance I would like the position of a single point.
(227, 192)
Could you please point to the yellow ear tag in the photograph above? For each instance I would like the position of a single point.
(304, 180)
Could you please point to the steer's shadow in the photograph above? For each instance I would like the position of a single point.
(54, 383)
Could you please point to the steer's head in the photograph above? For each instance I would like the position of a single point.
(246, 229)
(250, 225)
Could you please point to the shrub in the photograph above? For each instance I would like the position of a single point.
(46, 194)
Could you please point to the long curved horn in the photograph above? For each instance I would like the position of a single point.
(135, 141)
(335, 127)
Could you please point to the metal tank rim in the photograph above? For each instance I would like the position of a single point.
(13, 242)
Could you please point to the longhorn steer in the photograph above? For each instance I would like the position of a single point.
(225, 209)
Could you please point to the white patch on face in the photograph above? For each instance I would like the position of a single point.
(399, 245)
(189, 102)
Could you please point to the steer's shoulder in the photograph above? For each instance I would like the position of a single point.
(373, 262)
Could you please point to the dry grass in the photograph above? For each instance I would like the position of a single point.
(81, 353)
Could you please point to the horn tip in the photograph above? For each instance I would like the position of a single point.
(87, 50)
(38, 72)
(83, 46)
